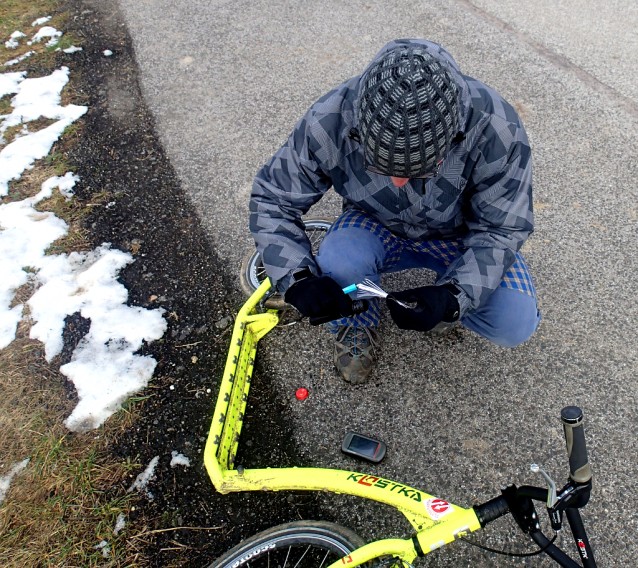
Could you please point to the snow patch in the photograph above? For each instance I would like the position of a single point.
(104, 547)
(9, 84)
(179, 459)
(107, 53)
(22, 153)
(24, 236)
(142, 480)
(41, 21)
(47, 31)
(103, 367)
(17, 60)
(5, 480)
(72, 49)
(13, 41)
(64, 184)
(120, 523)
(34, 98)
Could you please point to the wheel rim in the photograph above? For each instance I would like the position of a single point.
(316, 231)
(256, 272)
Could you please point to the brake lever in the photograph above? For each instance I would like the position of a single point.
(551, 486)
(555, 514)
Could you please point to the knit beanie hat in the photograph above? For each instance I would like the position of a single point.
(408, 112)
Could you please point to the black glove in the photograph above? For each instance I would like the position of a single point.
(318, 297)
(433, 305)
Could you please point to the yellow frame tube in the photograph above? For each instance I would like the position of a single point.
(433, 529)
(411, 502)
(403, 549)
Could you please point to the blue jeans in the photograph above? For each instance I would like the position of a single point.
(350, 254)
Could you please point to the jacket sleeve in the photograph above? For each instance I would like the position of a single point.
(499, 215)
(284, 189)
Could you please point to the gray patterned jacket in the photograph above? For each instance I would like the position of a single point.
(482, 194)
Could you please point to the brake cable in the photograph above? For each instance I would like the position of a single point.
(505, 553)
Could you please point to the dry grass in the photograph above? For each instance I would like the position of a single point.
(68, 498)
(29, 390)
(16, 14)
(19, 15)
(5, 105)
(73, 212)
(13, 132)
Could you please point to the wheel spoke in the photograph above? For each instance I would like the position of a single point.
(287, 555)
(324, 559)
(302, 556)
(315, 238)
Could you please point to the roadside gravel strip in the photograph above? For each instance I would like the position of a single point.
(175, 269)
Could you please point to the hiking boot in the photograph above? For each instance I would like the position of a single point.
(442, 328)
(354, 352)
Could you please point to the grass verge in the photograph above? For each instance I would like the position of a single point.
(70, 495)
(68, 499)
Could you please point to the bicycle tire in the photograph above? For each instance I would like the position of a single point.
(252, 272)
(317, 543)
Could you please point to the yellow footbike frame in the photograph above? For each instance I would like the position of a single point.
(436, 522)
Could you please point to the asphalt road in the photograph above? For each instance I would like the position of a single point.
(227, 81)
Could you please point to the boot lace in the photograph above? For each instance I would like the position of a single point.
(357, 339)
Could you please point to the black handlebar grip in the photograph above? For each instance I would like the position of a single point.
(579, 469)
(358, 307)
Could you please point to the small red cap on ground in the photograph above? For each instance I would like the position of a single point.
(302, 393)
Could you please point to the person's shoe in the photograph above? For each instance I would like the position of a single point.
(354, 352)
(442, 328)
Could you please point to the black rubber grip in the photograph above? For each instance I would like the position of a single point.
(492, 510)
(579, 469)
(358, 307)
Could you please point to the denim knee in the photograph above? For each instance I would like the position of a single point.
(350, 255)
(509, 318)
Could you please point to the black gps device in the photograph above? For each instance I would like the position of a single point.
(363, 447)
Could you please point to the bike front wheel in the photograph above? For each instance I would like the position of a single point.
(253, 273)
(302, 544)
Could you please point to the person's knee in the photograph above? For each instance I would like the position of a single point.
(509, 319)
(350, 255)
(515, 330)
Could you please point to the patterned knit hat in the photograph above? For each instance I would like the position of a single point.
(408, 111)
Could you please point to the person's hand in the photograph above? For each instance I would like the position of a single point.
(319, 297)
(433, 304)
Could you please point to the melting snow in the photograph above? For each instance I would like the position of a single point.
(72, 49)
(120, 523)
(13, 41)
(34, 98)
(21, 58)
(41, 21)
(5, 481)
(47, 31)
(25, 235)
(141, 481)
(104, 547)
(103, 367)
(179, 459)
